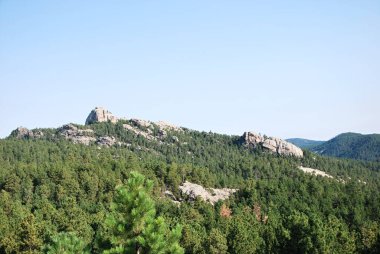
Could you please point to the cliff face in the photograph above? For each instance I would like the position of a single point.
(274, 145)
(99, 115)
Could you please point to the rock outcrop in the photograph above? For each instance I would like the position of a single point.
(314, 171)
(77, 136)
(211, 195)
(274, 145)
(146, 134)
(167, 126)
(99, 115)
(86, 136)
(22, 132)
(142, 123)
(107, 141)
(147, 129)
(171, 196)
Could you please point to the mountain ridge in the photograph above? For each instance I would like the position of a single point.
(346, 145)
(151, 131)
(305, 143)
(351, 145)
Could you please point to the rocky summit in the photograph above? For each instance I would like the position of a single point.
(22, 132)
(274, 145)
(99, 115)
(162, 133)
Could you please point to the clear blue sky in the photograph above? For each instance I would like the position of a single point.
(306, 69)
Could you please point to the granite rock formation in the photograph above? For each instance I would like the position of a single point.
(211, 195)
(22, 132)
(99, 115)
(274, 145)
(77, 136)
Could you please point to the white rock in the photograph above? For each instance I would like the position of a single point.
(271, 144)
(212, 195)
(167, 126)
(99, 115)
(315, 172)
(142, 123)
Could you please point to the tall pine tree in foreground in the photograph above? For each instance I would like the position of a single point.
(133, 222)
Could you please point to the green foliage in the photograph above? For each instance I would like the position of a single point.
(66, 243)
(133, 222)
(244, 235)
(217, 242)
(50, 185)
(305, 143)
(352, 145)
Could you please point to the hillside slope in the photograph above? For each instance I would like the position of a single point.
(64, 180)
(304, 143)
(353, 146)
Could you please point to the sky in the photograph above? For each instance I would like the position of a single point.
(307, 69)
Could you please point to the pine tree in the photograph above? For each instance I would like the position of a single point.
(66, 243)
(31, 241)
(217, 242)
(133, 222)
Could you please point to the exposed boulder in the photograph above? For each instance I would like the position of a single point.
(271, 144)
(142, 123)
(72, 130)
(167, 126)
(107, 141)
(22, 132)
(209, 195)
(171, 196)
(77, 136)
(145, 128)
(175, 139)
(314, 171)
(85, 136)
(99, 115)
(148, 134)
(37, 133)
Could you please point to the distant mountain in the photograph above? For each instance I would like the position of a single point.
(304, 143)
(351, 145)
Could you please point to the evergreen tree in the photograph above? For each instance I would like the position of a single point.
(133, 222)
(66, 243)
(217, 242)
(29, 235)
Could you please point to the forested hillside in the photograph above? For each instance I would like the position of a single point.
(351, 145)
(305, 143)
(56, 193)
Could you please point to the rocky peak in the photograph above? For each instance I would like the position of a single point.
(22, 132)
(271, 144)
(99, 115)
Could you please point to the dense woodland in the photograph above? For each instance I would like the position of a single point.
(57, 195)
(351, 145)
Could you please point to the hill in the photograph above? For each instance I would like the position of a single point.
(351, 145)
(231, 194)
(304, 143)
